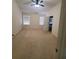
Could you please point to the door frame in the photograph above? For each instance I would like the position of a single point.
(61, 43)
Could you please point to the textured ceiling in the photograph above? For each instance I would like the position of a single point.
(27, 8)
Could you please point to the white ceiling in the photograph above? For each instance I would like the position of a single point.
(27, 8)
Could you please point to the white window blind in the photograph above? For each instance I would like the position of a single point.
(41, 22)
(26, 20)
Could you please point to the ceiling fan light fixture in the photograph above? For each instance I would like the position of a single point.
(37, 5)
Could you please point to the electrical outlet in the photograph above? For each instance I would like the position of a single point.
(56, 50)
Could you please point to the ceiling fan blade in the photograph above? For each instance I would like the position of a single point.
(34, 1)
(37, 1)
(41, 1)
(42, 5)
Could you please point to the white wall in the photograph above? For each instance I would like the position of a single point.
(16, 18)
(35, 21)
(45, 27)
(55, 12)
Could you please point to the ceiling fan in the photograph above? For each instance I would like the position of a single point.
(37, 3)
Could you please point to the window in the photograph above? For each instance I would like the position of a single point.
(41, 22)
(26, 20)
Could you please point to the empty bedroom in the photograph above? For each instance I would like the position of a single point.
(35, 28)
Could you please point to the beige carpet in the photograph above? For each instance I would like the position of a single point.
(34, 44)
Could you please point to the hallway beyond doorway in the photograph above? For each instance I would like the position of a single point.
(34, 44)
